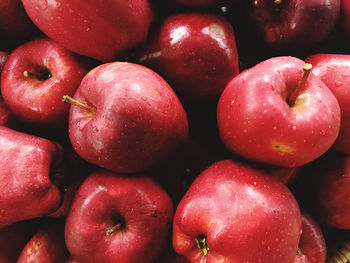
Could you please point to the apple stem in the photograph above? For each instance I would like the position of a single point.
(35, 74)
(298, 252)
(68, 99)
(111, 230)
(307, 70)
(202, 244)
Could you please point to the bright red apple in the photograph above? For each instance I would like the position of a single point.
(333, 70)
(36, 76)
(115, 218)
(277, 112)
(127, 118)
(312, 245)
(196, 53)
(29, 167)
(6, 116)
(101, 29)
(293, 23)
(47, 245)
(233, 213)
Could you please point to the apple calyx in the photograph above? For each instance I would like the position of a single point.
(292, 100)
(41, 74)
(111, 230)
(68, 99)
(201, 242)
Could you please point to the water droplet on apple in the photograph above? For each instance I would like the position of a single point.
(333, 115)
(322, 132)
(294, 127)
(338, 83)
(94, 129)
(319, 100)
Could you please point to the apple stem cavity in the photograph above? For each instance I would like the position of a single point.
(307, 70)
(111, 230)
(68, 99)
(201, 242)
(42, 74)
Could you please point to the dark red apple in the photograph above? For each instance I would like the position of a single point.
(333, 70)
(128, 118)
(312, 245)
(277, 112)
(36, 76)
(47, 245)
(345, 17)
(13, 238)
(233, 213)
(3, 58)
(293, 23)
(101, 29)
(29, 167)
(196, 53)
(115, 218)
(15, 25)
(203, 3)
(6, 116)
(329, 179)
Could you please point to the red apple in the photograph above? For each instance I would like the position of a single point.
(99, 29)
(115, 218)
(345, 16)
(13, 238)
(333, 70)
(15, 25)
(36, 76)
(47, 245)
(6, 116)
(128, 118)
(3, 58)
(312, 245)
(233, 213)
(196, 53)
(329, 179)
(293, 23)
(29, 168)
(277, 112)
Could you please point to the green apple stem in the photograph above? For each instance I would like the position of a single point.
(307, 70)
(68, 99)
(298, 252)
(111, 230)
(202, 244)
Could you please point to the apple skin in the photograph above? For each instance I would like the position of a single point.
(47, 245)
(14, 237)
(15, 25)
(244, 215)
(3, 57)
(312, 245)
(345, 17)
(6, 116)
(329, 179)
(29, 168)
(105, 199)
(137, 118)
(267, 114)
(38, 100)
(288, 24)
(333, 70)
(196, 53)
(106, 28)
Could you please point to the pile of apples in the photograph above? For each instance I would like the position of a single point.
(203, 131)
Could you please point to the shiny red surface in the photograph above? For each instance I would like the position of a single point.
(147, 211)
(257, 120)
(245, 216)
(334, 71)
(137, 120)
